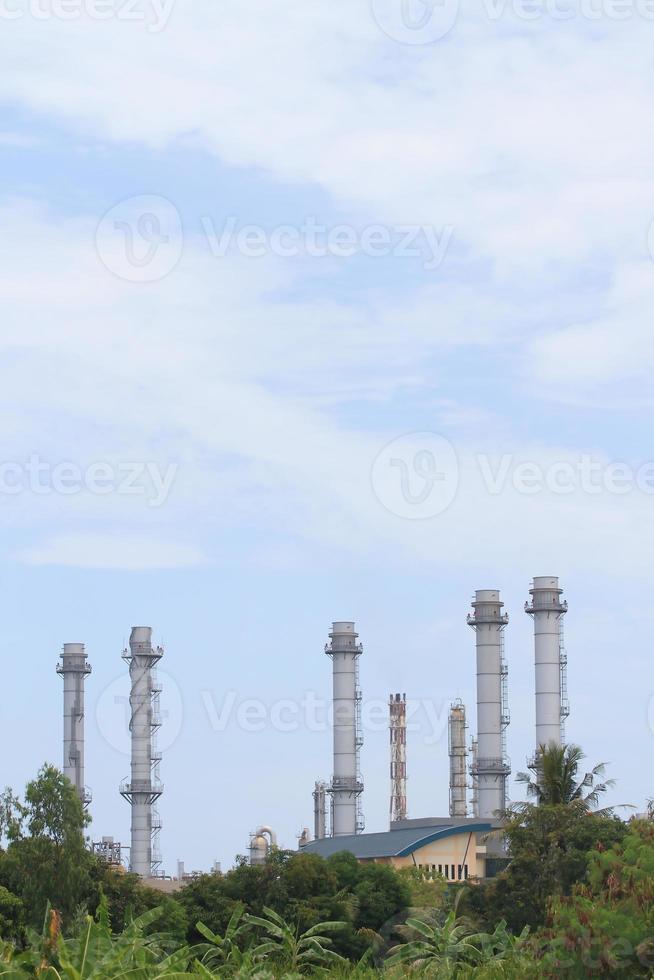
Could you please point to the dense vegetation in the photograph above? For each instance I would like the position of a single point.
(576, 900)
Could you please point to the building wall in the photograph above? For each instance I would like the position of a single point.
(461, 852)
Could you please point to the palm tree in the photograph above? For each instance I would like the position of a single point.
(296, 951)
(554, 779)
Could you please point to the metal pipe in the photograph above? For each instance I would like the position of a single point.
(492, 767)
(548, 610)
(74, 669)
(458, 754)
(346, 786)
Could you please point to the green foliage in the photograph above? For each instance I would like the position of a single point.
(555, 779)
(444, 943)
(607, 926)
(46, 860)
(549, 844)
(225, 952)
(12, 916)
(425, 891)
(290, 949)
(549, 848)
(96, 953)
(304, 889)
(579, 876)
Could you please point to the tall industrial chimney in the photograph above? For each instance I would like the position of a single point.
(397, 727)
(320, 810)
(74, 669)
(144, 788)
(347, 785)
(458, 754)
(548, 610)
(492, 766)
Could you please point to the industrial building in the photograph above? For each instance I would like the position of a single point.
(454, 850)
(460, 846)
(466, 844)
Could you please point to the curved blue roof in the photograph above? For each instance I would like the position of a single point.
(393, 843)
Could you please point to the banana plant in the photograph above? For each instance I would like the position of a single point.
(296, 952)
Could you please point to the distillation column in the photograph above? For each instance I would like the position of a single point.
(347, 785)
(74, 669)
(492, 766)
(397, 727)
(458, 755)
(320, 810)
(144, 788)
(548, 610)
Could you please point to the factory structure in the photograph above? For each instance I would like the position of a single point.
(143, 788)
(457, 846)
(461, 845)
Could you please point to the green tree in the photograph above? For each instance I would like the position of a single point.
(46, 860)
(549, 843)
(554, 779)
(605, 927)
(12, 916)
(426, 891)
(549, 847)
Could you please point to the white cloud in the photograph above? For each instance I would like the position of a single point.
(531, 141)
(124, 551)
(202, 371)
(579, 362)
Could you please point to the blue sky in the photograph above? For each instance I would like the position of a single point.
(281, 398)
